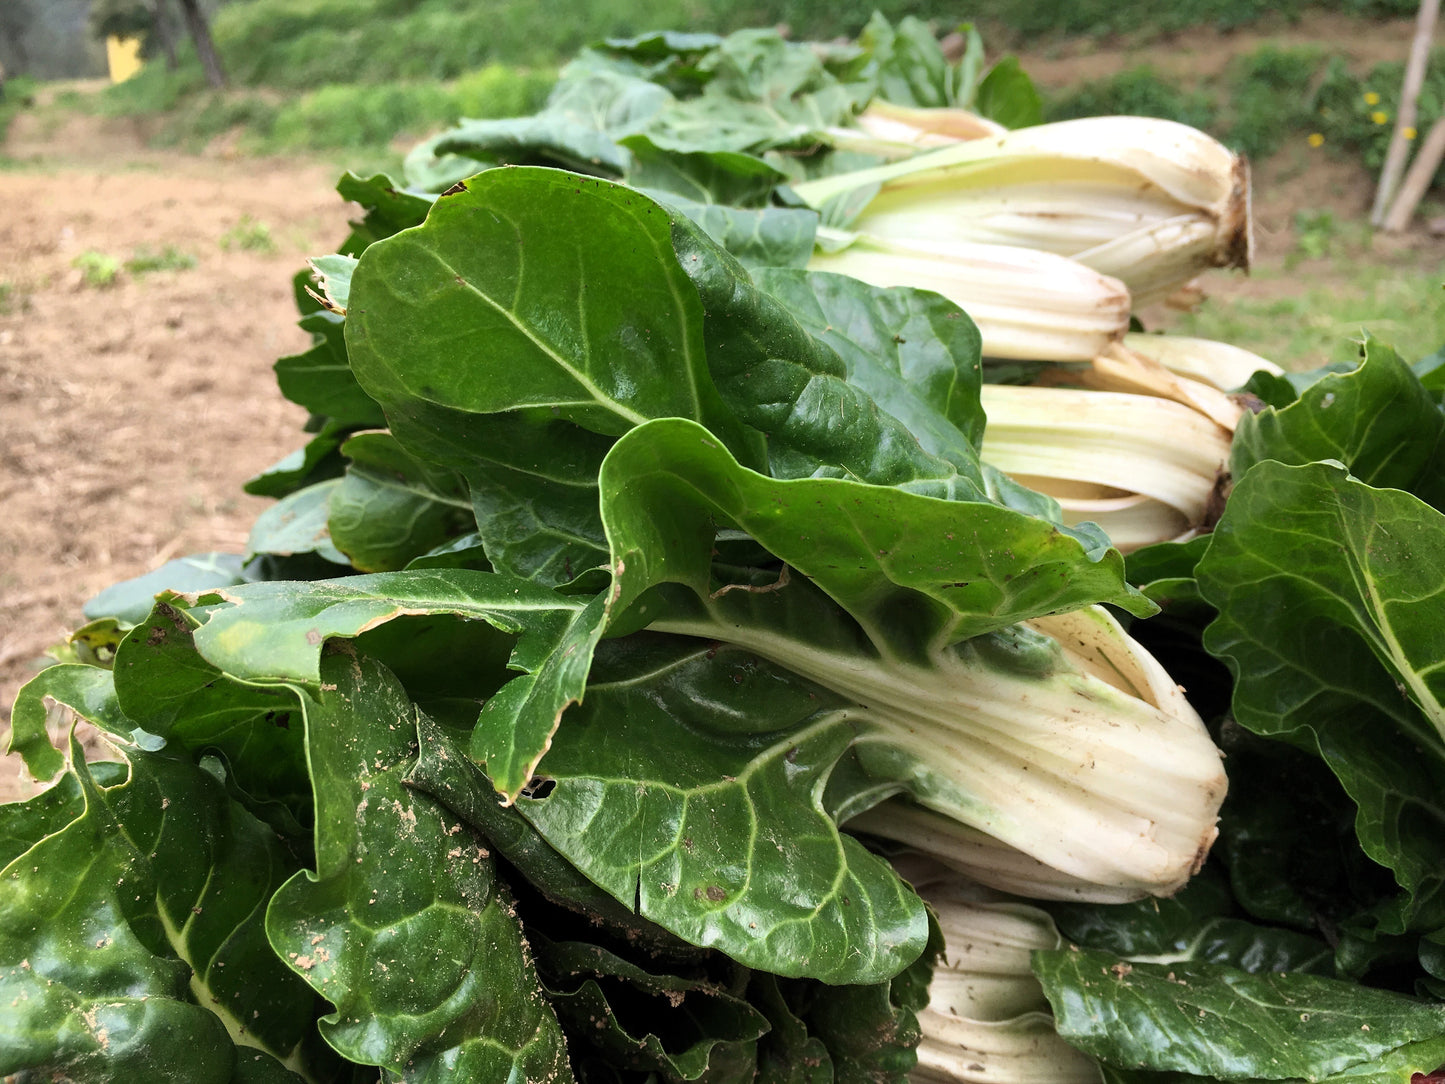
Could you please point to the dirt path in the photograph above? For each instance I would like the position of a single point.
(130, 415)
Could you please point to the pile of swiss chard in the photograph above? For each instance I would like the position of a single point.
(626, 565)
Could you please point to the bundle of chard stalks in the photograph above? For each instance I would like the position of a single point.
(748, 608)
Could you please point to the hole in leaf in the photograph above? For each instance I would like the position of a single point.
(539, 787)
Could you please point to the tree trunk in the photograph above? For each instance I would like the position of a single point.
(164, 37)
(205, 48)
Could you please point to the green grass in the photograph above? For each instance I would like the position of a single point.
(19, 93)
(12, 298)
(356, 117)
(169, 258)
(1402, 306)
(97, 269)
(248, 235)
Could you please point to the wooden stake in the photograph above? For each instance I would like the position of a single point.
(1417, 180)
(1409, 97)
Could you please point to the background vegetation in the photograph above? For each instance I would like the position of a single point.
(357, 80)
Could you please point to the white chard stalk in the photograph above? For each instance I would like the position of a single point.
(1150, 202)
(977, 855)
(1143, 468)
(1028, 305)
(900, 131)
(1023, 1050)
(984, 971)
(1085, 757)
(1220, 365)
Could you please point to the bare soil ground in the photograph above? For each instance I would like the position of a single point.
(131, 415)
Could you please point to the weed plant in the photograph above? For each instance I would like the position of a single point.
(248, 235)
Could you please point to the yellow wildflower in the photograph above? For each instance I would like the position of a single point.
(1316, 139)
(1379, 116)
(1371, 98)
(1410, 133)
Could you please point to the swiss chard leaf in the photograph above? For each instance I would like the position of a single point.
(404, 926)
(567, 291)
(1007, 95)
(914, 352)
(907, 64)
(164, 685)
(297, 524)
(1214, 1021)
(275, 632)
(389, 207)
(88, 691)
(318, 460)
(717, 833)
(391, 507)
(130, 600)
(321, 380)
(648, 1022)
(1377, 419)
(1197, 924)
(131, 944)
(783, 382)
(1354, 672)
(764, 237)
(917, 572)
(721, 177)
(589, 110)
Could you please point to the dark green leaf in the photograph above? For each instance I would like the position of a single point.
(1007, 95)
(871, 1032)
(333, 274)
(165, 686)
(404, 926)
(464, 551)
(782, 381)
(274, 631)
(788, 1053)
(1378, 420)
(907, 64)
(321, 378)
(766, 237)
(131, 945)
(88, 691)
(318, 461)
(914, 352)
(389, 207)
(296, 524)
(1165, 573)
(1292, 854)
(1220, 1022)
(588, 111)
(915, 571)
(444, 771)
(1332, 618)
(1196, 924)
(707, 177)
(1404, 1065)
(130, 600)
(391, 507)
(720, 835)
(649, 1022)
(566, 288)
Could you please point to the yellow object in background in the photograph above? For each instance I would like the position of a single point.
(123, 55)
